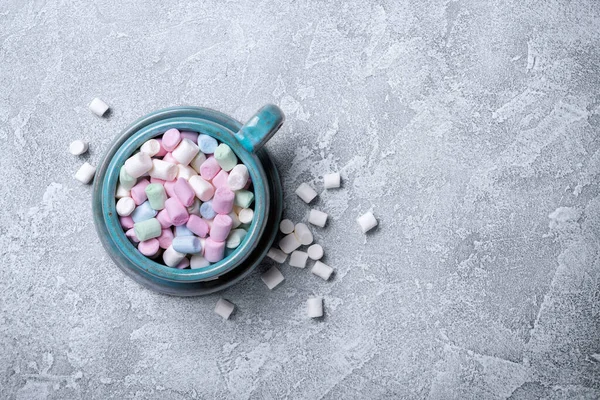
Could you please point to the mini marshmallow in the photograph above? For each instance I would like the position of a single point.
(185, 172)
(235, 219)
(224, 308)
(126, 222)
(198, 226)
(147, 229)
(209, 168)
(306, 193)
(151, 147)
(314, 307)
(164, 170)
(138, 164)
(166, 238)
(98, 107)
(171, 257)
(125, 206)
(317, 218)
(122, 192)
(238, 177)
(185, 151)
(286, 226)
(207, 211)
(222, 201)
(246, 215)
(177, 211)
(197, 161)
(183, 264)
(182, 230)
(331, 181)
(149, 248)
(298, 259)
(207, 144)
(315, 252)
(322, 270)
(162, 152)
(187, 244)
(235, 238)
(367, 222)
(225, 157)
(243, 198)
(138, 192)
(126, 180)
(203, 189)
(85, 173)
(78, 147)
(164, 219)
(143, 212)
(131, 236)
(184, 192)
(170, 188)
(193, 136)
(171, 139)
(214, 251)
(289, 243)
(155, 192)
(198, 261)
(221, 227)
(272, 278)
(276, 255)
(220, 180)
(303, 234)
(169, 158)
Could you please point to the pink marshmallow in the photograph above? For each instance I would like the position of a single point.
(171, 139)
(198, 226)
(214, 251)
(169, 158)
(131, 235)
(193, 136)
(166, 238)
(138, 192)
(222, 201)
(170, 188)
(184, 192)
(156, 180)
(162, 151)
(149, 247)
(221, 227)
(209, 168)
(177, 211)
(183, 264)
(220, 179)
(164, 219)
(126, 222)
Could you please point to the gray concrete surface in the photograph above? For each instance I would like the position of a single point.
(470, 128)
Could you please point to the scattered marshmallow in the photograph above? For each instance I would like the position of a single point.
(276, 255)
(272, 278)
(125, 206)
(289, 243)
(98, 107)
(85, 173)
(286, 226)
(322, 270)
(303, 234)
(331, 181)
(224, 308)
(78, 147)
(314, 307)
(306, 193)
(298, 259)
(317, 218)
(367, 222)
(315, 252)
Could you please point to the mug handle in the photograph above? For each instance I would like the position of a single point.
(260, 128)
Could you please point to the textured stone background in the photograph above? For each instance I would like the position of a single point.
(471, 128)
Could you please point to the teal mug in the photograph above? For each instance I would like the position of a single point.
(247, 142)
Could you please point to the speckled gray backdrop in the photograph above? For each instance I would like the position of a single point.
(470, 128)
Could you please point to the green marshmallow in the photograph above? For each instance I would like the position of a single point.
(126, 180)
(156, 196)
(225, 157)
(235, 238)
(243, 198)
(147, 229)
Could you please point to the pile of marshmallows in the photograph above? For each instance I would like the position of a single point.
(185, 193)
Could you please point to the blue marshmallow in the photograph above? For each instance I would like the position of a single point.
(143, 212)
(206, 210)
(187, 244)
(182, 230)
(207, 144)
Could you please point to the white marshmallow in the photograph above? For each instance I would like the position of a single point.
(367, 222)
(85, 173)
(314, 307)
(276, 255)
(186, 172)
(151, 147)
(272, 277)
(125, 206)
(331, 181)
(298, 259)
(286, 226)
(289, 243)
(235, 219)
(235, 238)
(122, 192)
(172, 257)
(98, 107)
(163, 170)
(197, 161)
(138, 164)
(78, 147)
(203, 189)
(198, 261)
(238, 177)
(306, 193)
(315, 252)
(246, 215)
(185, 151)
(322, 270)
(303, 234)
(317, 218)
(224, 308)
